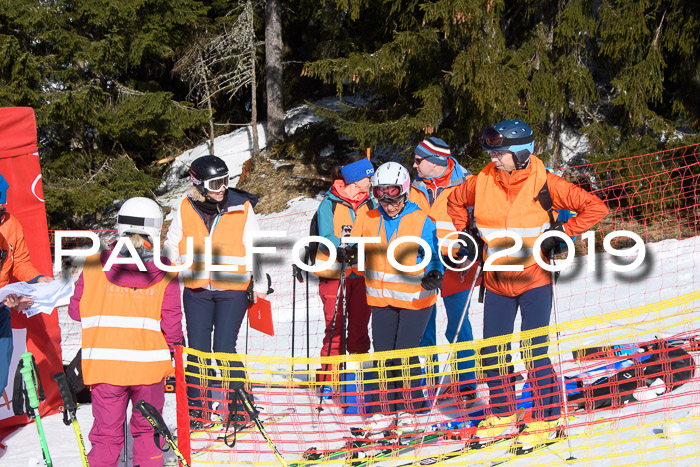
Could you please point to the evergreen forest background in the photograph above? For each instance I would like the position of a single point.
(120, 87)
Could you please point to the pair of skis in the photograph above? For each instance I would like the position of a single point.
(216, 439)
(597, 384)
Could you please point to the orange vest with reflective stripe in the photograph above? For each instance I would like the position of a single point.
(438, 213)
(122, 340)
(227, 249)
(387, 286)
(453, 281)
(493, 211)
(341, 217)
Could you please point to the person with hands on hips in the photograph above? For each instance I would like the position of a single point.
(214, 300)
(14, 262)
(505, 195)
(346, 199)
(401, 301)
(438, 175)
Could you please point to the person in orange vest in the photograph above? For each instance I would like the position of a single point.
(346, 198)
(214, 300)
(401, 301)
(130, 321)
(14, 262)
(508, 195)
(439, 174)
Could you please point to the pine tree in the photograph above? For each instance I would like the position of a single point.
(97, 74)
(617, 71)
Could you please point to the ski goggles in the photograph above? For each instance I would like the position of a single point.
(493, 139)
(216, 184)
(386, 193)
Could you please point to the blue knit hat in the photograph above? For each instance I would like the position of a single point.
(434, 150)
(357, 171)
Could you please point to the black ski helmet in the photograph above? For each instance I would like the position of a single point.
(205, 168)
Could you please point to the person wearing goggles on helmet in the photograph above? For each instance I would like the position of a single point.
(504, 196)
(438, 175)
(127, 337)
(214, 299)
(401, 301)
(347, 198)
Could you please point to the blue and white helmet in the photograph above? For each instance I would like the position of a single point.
(515, 136)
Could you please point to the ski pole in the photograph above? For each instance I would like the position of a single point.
(296, 276)
(335, 314)
(561, 368)
(308, 329)
(126, 442)
(454, 341)
(160, 429)
(69, 412)
(456, 336)
(30, 377)
(253, 413)
(294, 309)
(345, 329)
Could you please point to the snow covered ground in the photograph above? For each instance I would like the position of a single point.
(663, 431)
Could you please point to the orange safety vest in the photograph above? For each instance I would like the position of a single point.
(227, 248)
(438, 213)
(385, 285)
(341, 217)
(122, 340)
(453, 281)
(494, 211)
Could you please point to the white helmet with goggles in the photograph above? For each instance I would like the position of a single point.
(390, 182)
(142, 216)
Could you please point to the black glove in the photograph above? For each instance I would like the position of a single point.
(553, 246)
(347, 253)
(432, 280)
(472, 243)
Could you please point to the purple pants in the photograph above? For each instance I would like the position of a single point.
(109, 404)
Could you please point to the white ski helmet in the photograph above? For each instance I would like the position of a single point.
(390, 174)
(142, 216)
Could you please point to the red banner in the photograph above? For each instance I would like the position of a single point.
(40, 334)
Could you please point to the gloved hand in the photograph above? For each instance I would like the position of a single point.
(472, 242)
(432, 280)
(553, 246)
(347, 253)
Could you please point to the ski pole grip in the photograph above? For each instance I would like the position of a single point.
(247, 404)
(69, 404)
(28, 377)
(151, 414)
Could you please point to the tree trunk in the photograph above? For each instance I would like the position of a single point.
(273, 72)
(211, 112)
(253, 96)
